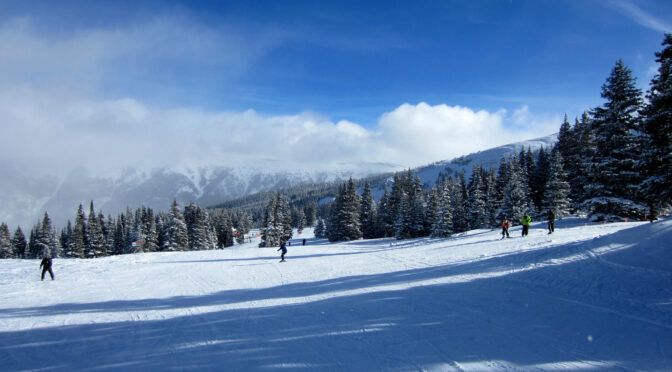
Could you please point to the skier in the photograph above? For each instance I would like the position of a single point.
(283, 247)
(551, 220)
(304, 241)
(505, 227)
(526, 224)
(45, 265)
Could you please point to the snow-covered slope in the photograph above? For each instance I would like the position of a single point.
(589, 297)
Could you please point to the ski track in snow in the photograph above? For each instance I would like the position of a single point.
(589, 297)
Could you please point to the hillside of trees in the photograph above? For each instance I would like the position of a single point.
(613, 162)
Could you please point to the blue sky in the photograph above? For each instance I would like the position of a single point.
(523, 64)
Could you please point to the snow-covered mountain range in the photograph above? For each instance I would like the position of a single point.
(24, 199)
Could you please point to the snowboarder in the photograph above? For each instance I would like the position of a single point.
(304, 242)
(551, 220)
(526, 224)
(505, 227)
(45, 265)
(283, 247)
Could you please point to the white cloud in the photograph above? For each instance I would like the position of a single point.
(60, 133)
(637, 14)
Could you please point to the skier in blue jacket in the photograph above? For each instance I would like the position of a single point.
(283, 247)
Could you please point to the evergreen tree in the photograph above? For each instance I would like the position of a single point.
(201, 236)
(493, 200)
(477, 207)
(319, 229)
(177, 238)
(385, 218)
(46, 242)
(347, 215)
(557, 188)
(460, 208)
(311, 214)
(367, 213)
(443, 226)
(95, 240)
(657, 127)
(401, 224)
(19, 243)
(416, 200)
(77, 242)
(539, 178)
(6, 250)
(516, 199)
(615, 179)
(432, 210)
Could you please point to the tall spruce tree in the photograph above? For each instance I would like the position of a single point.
(477, 206)
(557, 189)
(614, 177)
(177, 237)
(77, 242)
(657, 127)
(367, 213)
(459, 199)
(516, 197)
(19, 243)
(443, 227)
(5, 242)
(95, 240)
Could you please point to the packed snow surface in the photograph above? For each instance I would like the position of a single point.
(588, 297)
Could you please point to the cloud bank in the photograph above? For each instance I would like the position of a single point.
(44, 133)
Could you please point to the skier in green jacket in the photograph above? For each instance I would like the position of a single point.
(526, 224)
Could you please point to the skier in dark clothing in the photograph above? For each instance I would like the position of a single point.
(551, 221)
(46, 266)
(304, 241)
(505, 227)
(283, 247)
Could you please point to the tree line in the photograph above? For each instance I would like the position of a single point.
(94, 235)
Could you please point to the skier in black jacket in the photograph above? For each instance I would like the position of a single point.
(46, 266)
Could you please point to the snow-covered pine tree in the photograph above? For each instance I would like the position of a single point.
(557, 189)
(19, 243)
(5, 242)
(516, 198)
(443, 227)
(459, 199)
(476, 204)
(109, 230)
(657, 127)
(367, 213)
(416, 200)
(46, 239)
(95, 240)
(348, 214)
(77, 242)
(503, 175)
(539, 178)
(493, 200)
(33, 249)
(401, 224)
(198, 228)
(285, 217)
(177, 235)
(432, 210)
(319, 229)
(385, 218)
(580, 159)
(615, 179)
